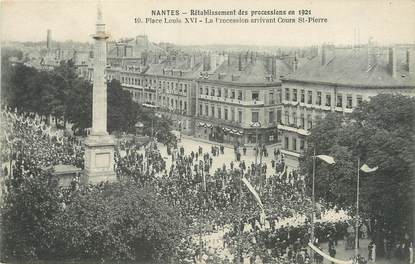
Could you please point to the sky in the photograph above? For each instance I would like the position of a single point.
(387, 22)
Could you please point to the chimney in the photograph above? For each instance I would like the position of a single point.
(323, 55)
(240, 62)
(392, 61)
(295, 63)
(410, 60)
(192, 61)
(267, 64)
(213, 61)
(273, 66)
(371, 55)
(206, 63)
(229, 60)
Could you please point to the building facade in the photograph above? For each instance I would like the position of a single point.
(338, 81)
(238, 99)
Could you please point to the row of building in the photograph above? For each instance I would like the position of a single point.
(238, 98)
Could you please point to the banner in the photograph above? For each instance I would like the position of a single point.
(252, 190)
(329, 258)
(262, 216)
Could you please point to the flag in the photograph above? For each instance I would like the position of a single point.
(262, 216)
(367, 169)
(328, 159)
(252, 190)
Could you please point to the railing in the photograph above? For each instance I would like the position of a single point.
(232, 101)
(300, 131)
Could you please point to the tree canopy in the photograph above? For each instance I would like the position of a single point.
(381, 134)
(63, 94)
(118, 221)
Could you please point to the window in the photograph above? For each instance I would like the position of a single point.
(310, 97)
(318, 99)
(201, 90)
(309, 122)
(233, 94)
(294, 144)
(226, 114)
(302, 96)
(294, 95)
(328, 99)
(185, 105)
(279, 115)
(181, 105)
(239, 95)
(271, 117)
(271, 97)
(219, 92)
(349, 101)
(359, 100)
(339, 100)
(294, 118)
(255, 96)
(181, 88)
(185, 88)
(287, 118)
(240, 116)
(232, 114)
(207, 90)
(286, 141)
(219, 112)
(212, 91)
(255, 116)
(206, 110)
(302, 120)
(213, 111)
(226, 92)
(200, 109)
(302, 143)
(287, 94)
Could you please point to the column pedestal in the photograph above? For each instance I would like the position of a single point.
(99, 159)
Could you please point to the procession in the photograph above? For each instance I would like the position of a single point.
(226, 220)
(260, 136)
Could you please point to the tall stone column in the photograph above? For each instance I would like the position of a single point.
(99, 146)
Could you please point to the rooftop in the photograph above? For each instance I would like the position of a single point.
(350, 67)
(253, 70)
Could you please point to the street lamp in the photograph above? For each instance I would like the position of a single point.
(365, 169)
(257, 125)
(329, 160)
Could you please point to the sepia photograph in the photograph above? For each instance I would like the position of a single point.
(207, 132)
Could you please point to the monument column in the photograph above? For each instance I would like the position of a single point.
(99, 145)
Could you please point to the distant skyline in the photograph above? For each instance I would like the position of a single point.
(387, 22)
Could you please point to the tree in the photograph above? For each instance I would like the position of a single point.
(122, 111)
(118, 221)
(381, 133)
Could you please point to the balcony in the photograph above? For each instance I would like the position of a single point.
(290, 153)
(231, 101)
(300, 131)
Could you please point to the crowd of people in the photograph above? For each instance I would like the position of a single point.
(208, 197)
(29, 143)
